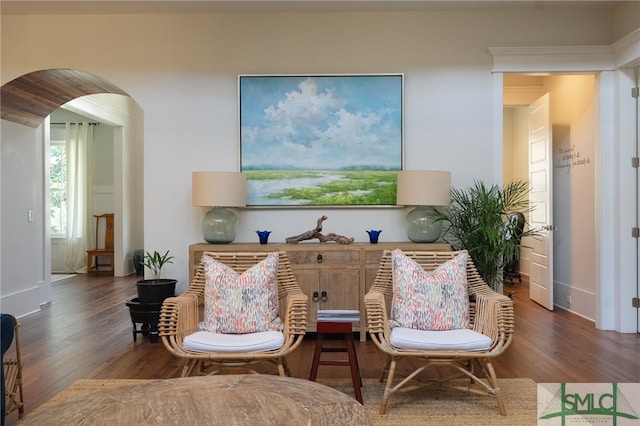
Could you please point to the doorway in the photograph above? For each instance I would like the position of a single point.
(26, 106)
(122, 117)
(574, 123)
(101, 198)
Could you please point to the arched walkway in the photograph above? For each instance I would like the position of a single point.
(29, 99)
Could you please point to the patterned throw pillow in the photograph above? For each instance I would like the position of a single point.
(241, 303)
(436, 300)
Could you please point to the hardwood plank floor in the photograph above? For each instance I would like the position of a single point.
(86, 332)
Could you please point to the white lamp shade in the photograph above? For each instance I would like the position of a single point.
(219, 189)
(424, 188)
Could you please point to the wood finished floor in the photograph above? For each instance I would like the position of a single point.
(86, 332)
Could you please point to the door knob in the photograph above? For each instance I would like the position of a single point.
(324, 296)
(315, 296)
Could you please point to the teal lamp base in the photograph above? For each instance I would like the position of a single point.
(219, 226)
(422, 228)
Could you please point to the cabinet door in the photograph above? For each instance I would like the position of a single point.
(342, 289)
(308, 281)
(329, 289)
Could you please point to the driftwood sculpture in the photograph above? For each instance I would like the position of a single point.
(317, 233)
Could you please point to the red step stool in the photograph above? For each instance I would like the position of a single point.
(344, 327)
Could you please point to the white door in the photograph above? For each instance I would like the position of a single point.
(541, 199)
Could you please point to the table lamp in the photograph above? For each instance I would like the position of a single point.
(423, 189)
(219, 190)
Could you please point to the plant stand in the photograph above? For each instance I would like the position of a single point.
(146, 314)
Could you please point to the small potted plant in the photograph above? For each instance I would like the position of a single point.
(156, 289)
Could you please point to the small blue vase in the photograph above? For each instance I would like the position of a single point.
(373, 236)
(264, 236)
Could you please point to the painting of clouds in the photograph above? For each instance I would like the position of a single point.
(329, 140)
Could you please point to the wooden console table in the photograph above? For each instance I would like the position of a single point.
(208, 400)
(333, 276)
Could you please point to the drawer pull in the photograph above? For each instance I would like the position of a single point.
(315, 296)
(319, 258)
(323, 296)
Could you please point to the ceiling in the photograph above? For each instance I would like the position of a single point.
(66, 7)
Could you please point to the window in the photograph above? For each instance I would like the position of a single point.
(58, 182)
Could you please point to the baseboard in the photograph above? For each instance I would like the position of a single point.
(19, 304)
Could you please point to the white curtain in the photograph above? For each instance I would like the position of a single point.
(80, 233)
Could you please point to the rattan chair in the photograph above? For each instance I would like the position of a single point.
(180, 316)
(490, 314)
(12, 366)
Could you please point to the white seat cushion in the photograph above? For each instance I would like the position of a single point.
(205, 341)
(448, 340)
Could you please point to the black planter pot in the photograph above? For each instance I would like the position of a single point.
(155, 291)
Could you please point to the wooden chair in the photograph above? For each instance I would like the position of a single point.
(12, 366)
(490, 314)
(180, 316)
(93, 262)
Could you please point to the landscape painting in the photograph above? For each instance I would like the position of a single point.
(321, 140)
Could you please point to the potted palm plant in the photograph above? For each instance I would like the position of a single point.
(156, 289)
(476, 220)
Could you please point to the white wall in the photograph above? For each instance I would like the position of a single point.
(22, 241)
(182, 71)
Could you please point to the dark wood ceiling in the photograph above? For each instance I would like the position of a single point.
(29, 99)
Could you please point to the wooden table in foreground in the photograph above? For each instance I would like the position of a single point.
(250, 399)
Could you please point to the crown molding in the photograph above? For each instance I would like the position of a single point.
(624, 52)
(552, 58)
(98, 105)
(627, 50)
